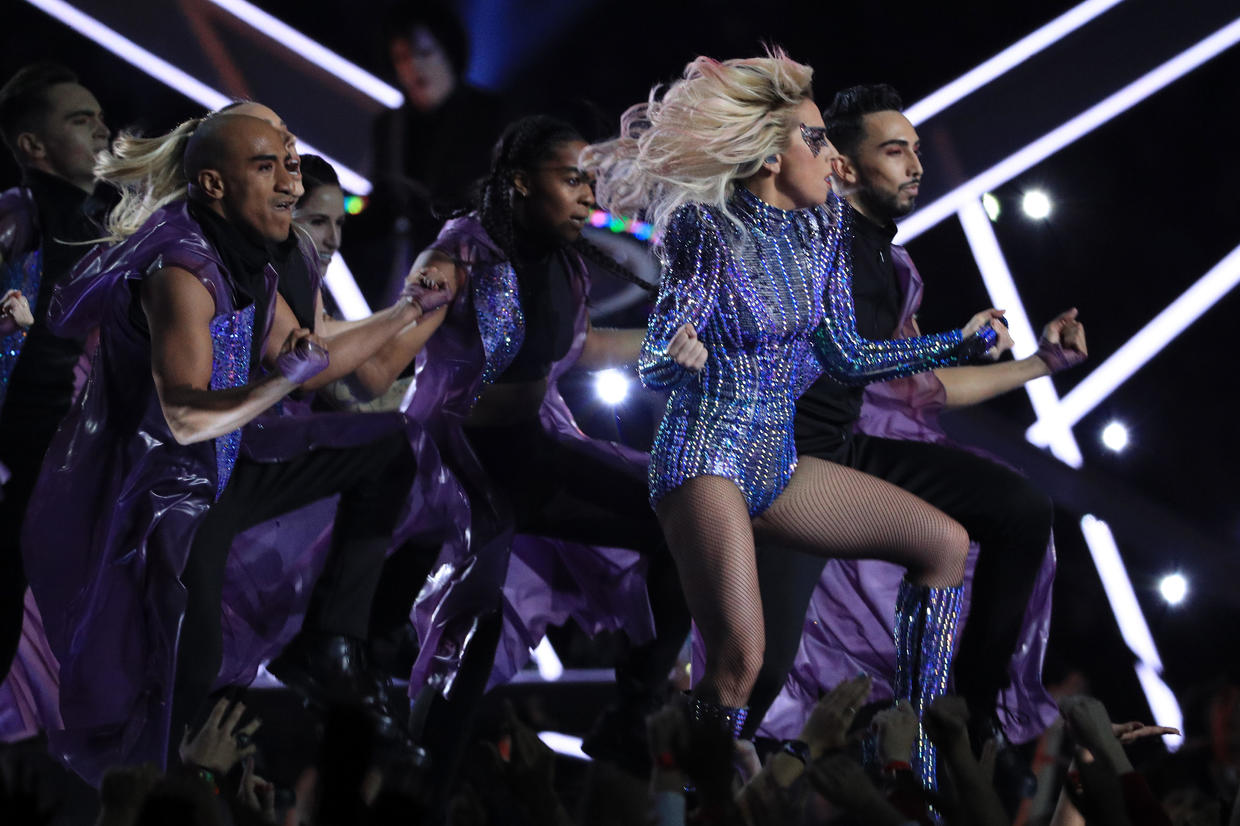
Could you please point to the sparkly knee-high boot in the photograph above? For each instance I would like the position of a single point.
(925, 636)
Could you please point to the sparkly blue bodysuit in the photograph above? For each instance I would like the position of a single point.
(773, 306)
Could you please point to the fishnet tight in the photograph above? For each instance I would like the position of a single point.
(827, 509)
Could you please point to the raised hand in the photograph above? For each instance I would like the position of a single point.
(1135, 730)
(896, 728)
(219, 744)
(686, 349)
(1062, 344)
(828, 723)
(983, 319)
(429, 288)
(256, 793)
(1091, 728)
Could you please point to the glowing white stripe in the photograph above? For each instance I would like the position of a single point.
(1084, 123)
(351, 180)
(549, 666)
(564, 744)
(1163, 704)
(343, 287)
(316, 53)
(1008, 59)
(998, 279)
(132, 53)
(170, 75)
(1119, 590)
(1118, 587)
(1142, 347)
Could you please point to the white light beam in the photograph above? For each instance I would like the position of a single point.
(1079, 126)
(1132, 626)
(1003, 293)
(132, 53)
(170, 75)
(1008, 59)
(1143, 346)
(315, 52)
(342, 285)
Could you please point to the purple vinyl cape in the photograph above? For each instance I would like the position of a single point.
(105, 572)
(848, 627)
(543, 581)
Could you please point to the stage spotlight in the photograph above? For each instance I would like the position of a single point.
(612, 386)
(1173, 587)
(1115, 437)
(1036, 205)
(991, 204)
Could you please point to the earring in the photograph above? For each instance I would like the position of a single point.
(771, 159)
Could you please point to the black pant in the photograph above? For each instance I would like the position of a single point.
(559, 492)
(27, 425)
(999, 509)
(373, 481)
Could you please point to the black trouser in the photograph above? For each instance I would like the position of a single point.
(27, 426)
(563, 493)
(373, 481)
(999, 509)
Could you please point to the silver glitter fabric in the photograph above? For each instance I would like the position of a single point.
(925, 637)
(501, 321)
(231, 338)
(756, 295)
(23, 274)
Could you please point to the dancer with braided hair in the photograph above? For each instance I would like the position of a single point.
(519, 322)
(732, 166)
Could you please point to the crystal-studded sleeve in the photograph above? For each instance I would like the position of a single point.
(850, 359)
(695, 264)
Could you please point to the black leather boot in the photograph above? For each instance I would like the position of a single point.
(330, 669)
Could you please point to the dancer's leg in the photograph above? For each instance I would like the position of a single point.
(831, 510)
(706, 522)
(1011, 522)
(835, 510)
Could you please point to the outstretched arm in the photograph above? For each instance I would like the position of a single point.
(851, 359)
(350, 347)
(1061, 346)
(375, 375)
(179, 311)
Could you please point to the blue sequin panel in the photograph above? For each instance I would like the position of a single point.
(231, 337)
(501, 321)
(23, 274)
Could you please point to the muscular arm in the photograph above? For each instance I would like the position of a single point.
(179, 311)
(610, 347)
(348, 348)
(375, 375)
(975, 384)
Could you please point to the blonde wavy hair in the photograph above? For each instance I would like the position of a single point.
(708, 130)
(150, 174)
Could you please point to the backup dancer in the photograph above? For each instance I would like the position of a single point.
(153, 451)
(54, 128)
(732, 164)
(520, 322)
